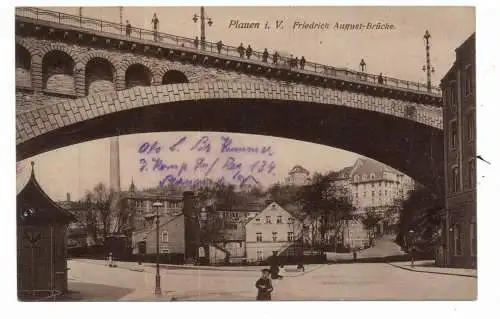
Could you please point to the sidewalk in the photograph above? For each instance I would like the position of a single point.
(288, 271)
(426, 266)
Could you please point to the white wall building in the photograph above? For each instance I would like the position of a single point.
(271, 231)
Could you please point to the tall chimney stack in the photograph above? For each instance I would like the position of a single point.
(114, 182)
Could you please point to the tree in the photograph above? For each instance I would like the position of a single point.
(370, 221)
(98, 217)
(284, 194)
(420, 212)
(327, 207)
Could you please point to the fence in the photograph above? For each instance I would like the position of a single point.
(90, 24)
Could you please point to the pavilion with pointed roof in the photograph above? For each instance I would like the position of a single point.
(41, 243)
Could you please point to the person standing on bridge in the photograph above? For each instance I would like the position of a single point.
(128, 29)
(249, 52)
(265, 55)
(380, 79)
(196, 42)
(156, 23)
(275, 57)
(241, 50)
(302, 62)
(219, 46)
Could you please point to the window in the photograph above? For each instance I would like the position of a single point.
(453, 134)
(259, 237)
(386, 193)
(373, 193)
(257, 220)
(468, 81)
(268, 219)
(291, 220)
(470, 173)
(458, 240)
(379, 193)
(473, 239)
(372, 176)
(164, 236)
(164, 251)
(455, 181)
(279, 220)
(275, 236)
(453, 95)
(290, 236)
(470, 127)
(260, 255)
(356, 178)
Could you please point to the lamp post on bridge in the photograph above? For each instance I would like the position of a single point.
(428, 68)
(157, 205)
(202, 25)
(362, 65)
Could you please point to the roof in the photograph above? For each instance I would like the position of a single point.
(34, 206)
(164, 220)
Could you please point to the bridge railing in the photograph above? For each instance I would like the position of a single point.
(215, 48)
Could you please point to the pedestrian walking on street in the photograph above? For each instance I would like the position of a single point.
(275, 57)
(302, 62)
(265, 55)
(196, 42)
(264, 286)
(249, 51)
(128, 29)
(241, 50)
(219, 46)
(156, 23)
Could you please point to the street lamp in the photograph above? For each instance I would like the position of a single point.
(202, 24)
(362, 64)
(157, 205)
(430, 69)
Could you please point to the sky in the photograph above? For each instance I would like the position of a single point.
(398, 53)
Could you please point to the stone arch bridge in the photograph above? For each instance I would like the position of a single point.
(79, 80)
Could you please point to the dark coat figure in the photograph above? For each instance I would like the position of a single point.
(301, 267)
(219, 46)
(241, 50)
(302, 62)
(264, 286)
(275, 57)
(196, 42)
(249, 52)
(296, 62)
(128, 29)
(380, 79)
(265, 55)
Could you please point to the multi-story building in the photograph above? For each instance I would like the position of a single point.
(273, 231)
(459, 118)
(140, 204)
(298, 176)
(374, 185)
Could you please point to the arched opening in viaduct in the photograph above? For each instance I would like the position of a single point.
(138, 75)
(99, 76)
(23, 66)
(173, 77)
(57, 72)
(413, 148)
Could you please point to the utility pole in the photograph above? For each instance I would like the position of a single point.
(202, 25)
(428, 68)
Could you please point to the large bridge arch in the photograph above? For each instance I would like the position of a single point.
(410, 142)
